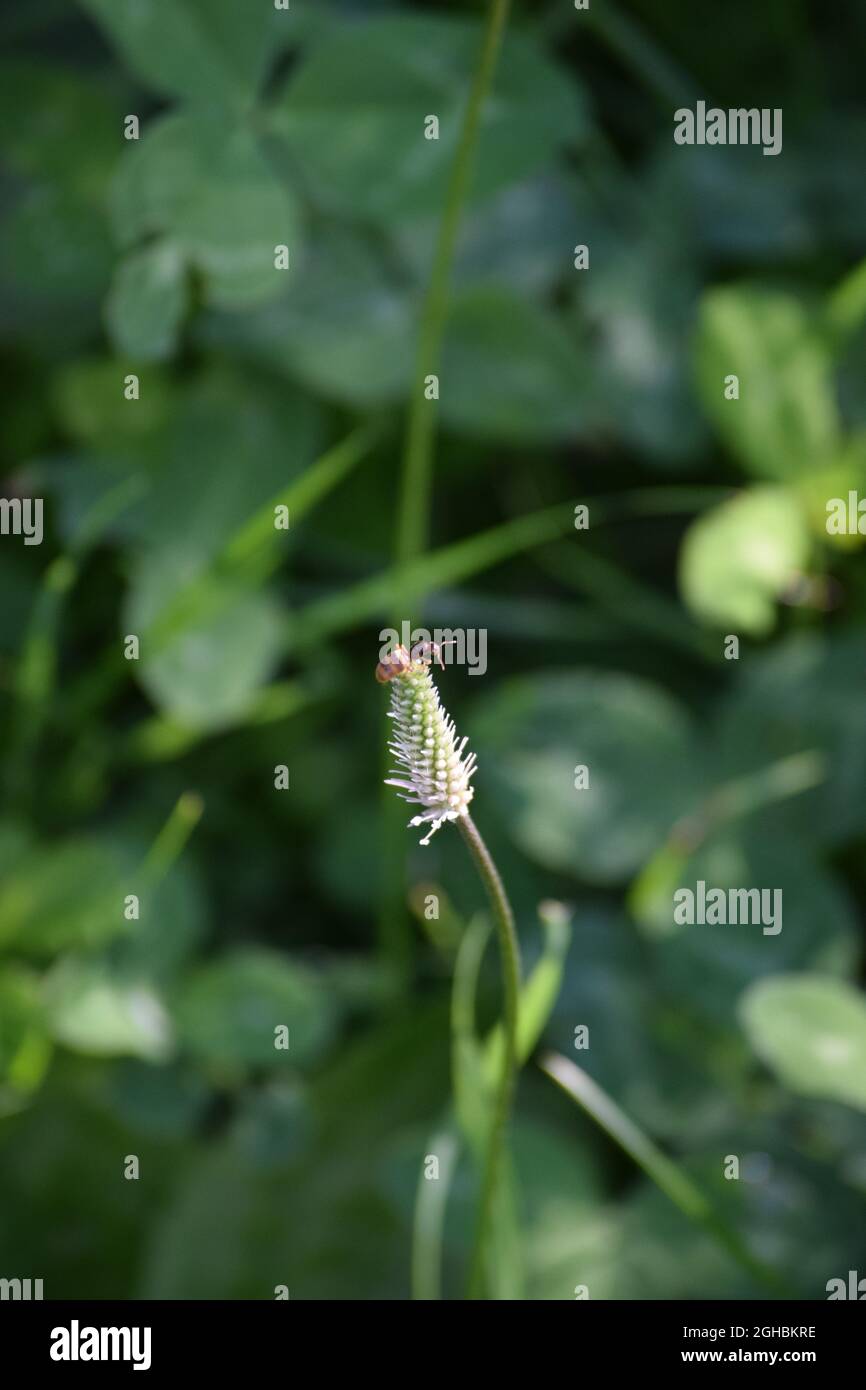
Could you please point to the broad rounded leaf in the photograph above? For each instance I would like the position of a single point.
(738, 559)
(92, 1012)
(345, 326)
(204, 185)
(207, 675)
(207, 50)
(811, 1031)
(229, 1011)
(356, 126)
(636, 743)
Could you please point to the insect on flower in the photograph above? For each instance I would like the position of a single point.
(395, 663)
(399, 661)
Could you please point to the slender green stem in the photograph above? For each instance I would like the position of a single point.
(421, 427)
(509, 950)
(169, 843)
(451, 564)
(417, 464)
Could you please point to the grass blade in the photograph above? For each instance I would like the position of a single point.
(661, 1170)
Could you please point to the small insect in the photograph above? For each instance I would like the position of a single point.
(429, 652)
(395, 663)
(399, 661)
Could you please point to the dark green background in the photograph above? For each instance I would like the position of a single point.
(605, 647)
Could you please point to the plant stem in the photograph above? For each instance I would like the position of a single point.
(417, 464)
(509, 951)
(421, 428)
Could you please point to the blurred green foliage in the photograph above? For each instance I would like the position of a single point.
(153, 1034)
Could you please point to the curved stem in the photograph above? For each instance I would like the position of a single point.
(509, 951)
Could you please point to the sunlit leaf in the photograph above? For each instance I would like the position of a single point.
(811, 1031)
(740, 558)
(784, 422)
(93, 1012)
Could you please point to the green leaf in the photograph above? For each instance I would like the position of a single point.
(229, 1010)
(92, 1012)
(234, 445)
(68, 894)
(430, 1206)
(356, 129)
(472, 1091)
(511, 371)
(345, 326)
(207, 676)
(825, 493)
(206, 50)
(539, 992)
(147, 301)
(846, 305)
(635, 742)
(738, 559)
(203, 184)
(785, 422)
(811, 1031)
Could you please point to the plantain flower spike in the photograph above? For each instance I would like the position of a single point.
(432, 770)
